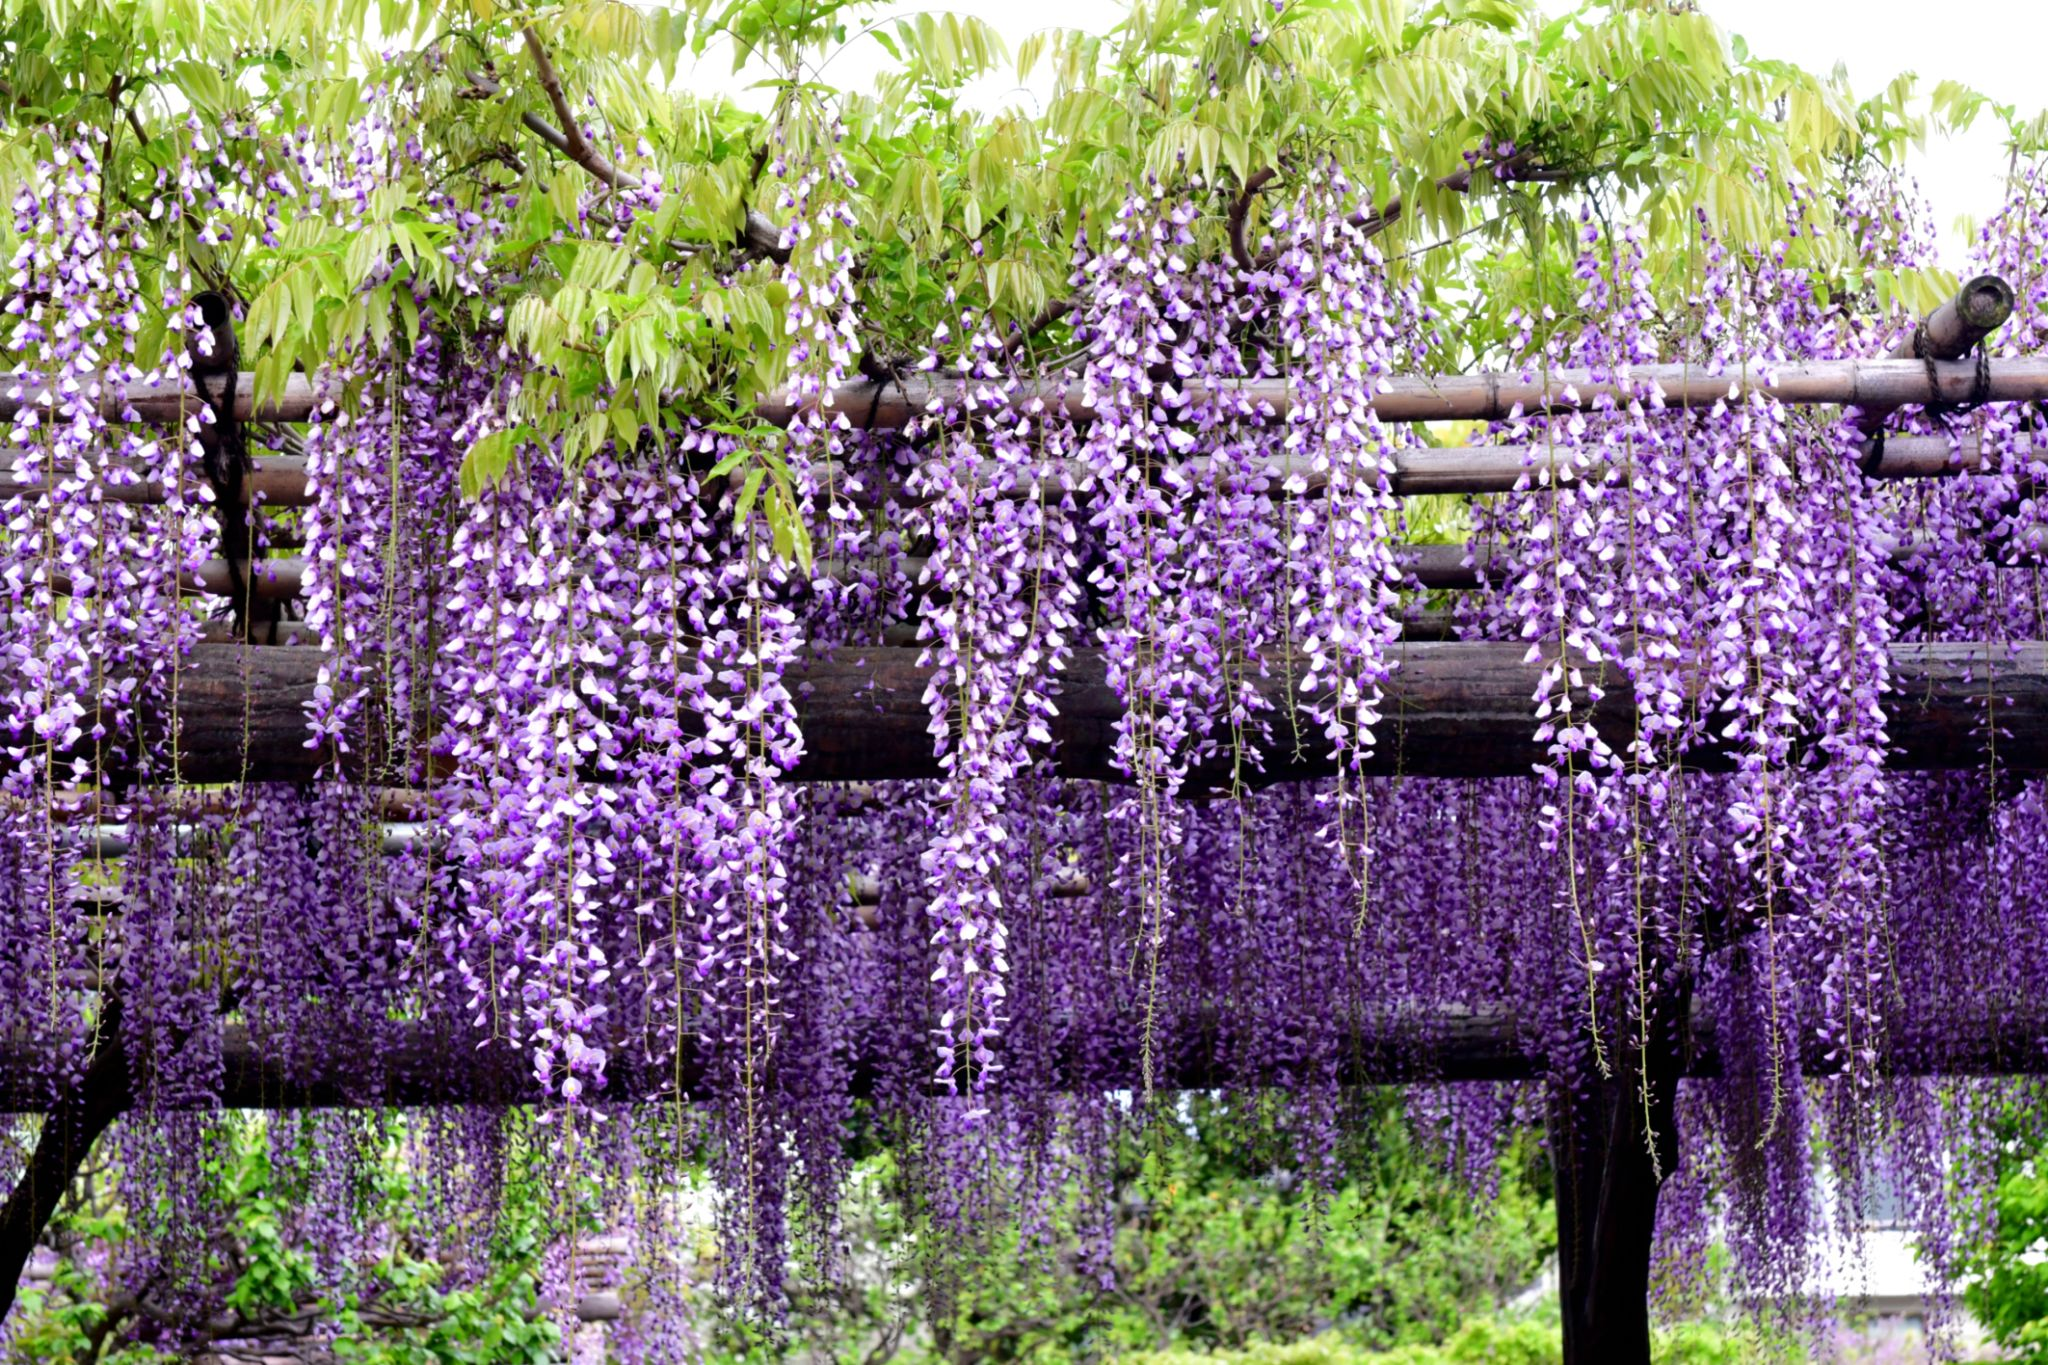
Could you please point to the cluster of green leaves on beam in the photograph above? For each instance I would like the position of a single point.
(1648, 109)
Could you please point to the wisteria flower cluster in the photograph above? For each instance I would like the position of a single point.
(555, 841)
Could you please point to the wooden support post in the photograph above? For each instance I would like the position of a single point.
(1613, 1144)
(1614, 1140)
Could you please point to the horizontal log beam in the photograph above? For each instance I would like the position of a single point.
(280, 480)
(415, 1066)
(1866, 384)
(411, 1065)
(1452, 709)
(1445, 567)
(274, 481)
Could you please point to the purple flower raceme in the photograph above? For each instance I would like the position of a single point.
(555, 831)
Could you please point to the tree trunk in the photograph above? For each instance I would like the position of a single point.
(1612, 1152)
(68, 1133)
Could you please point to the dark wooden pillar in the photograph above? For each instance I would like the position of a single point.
(1612, 1151)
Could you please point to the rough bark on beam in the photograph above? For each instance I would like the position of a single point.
(409, 1065)
(1452, 709)
(298, 634)
(1475, 397)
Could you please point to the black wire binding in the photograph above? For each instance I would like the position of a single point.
(1980, 391)
(1980, 382)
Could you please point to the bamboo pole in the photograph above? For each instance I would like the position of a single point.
(1950, 332)
(275, 481)
(110, 843)
(280, 481)
(1978, 308)
(1499, 397)
(1433, 567)
(270, 580)
(1445, 567)
(1489, 396)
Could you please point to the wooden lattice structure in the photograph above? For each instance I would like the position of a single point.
(1454, 710)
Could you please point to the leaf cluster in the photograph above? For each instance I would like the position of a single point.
(617, 322)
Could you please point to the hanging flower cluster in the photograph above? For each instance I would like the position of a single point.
(553, 838)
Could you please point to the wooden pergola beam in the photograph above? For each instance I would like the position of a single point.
(1868, 384)
(1452, 709)
(414, 1066)
(280, 481)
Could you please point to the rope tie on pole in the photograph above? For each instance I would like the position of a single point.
(1980, 381)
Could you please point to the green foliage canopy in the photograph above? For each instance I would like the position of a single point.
(1629, 105)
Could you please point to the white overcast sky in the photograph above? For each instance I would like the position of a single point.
(1995, 46)
(1991, 45)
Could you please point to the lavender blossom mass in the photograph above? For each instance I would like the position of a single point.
(558, 849)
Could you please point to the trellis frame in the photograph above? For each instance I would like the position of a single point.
(1453, 710)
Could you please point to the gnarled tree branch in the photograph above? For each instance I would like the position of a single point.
(69, 1131)
(1370, 224)
(1042, 319)
(569, 140)
(1512, 169)
(758, 235)
(1241, 210)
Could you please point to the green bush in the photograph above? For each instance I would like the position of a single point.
(2008, 1287)
(1213, 1250)
(1212, 1253)
(1496, 1341)
(1483, 1341)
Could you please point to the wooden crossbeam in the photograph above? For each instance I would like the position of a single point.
(1492, 396)
(1452, 709)
(412, 1065)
